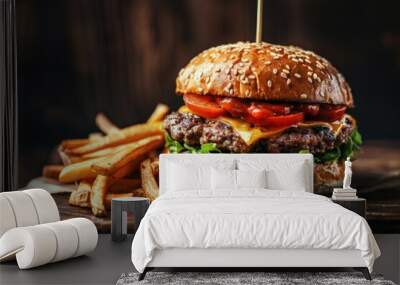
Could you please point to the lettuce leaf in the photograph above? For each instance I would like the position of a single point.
(176, 147)
(341, 152)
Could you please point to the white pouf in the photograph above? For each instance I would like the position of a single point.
(23, 209)
(37, 245)
(7, 218)
(45, 205)
(31, 230)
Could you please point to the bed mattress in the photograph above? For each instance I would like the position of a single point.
(250, 219)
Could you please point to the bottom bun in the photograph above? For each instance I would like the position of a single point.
(327, 176)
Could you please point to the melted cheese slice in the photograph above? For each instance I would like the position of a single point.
(251, 134)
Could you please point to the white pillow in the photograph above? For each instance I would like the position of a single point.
(251, 179)
(229, 180)
(223, 179)
(181, 177)
(193, 174)
(282, 174)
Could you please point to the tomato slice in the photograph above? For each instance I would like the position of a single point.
(278, 121)
(311, 110)
(234, 106)
(203, 105)
(284, 120)
(279, 109)
(258, 112)
(331, 113)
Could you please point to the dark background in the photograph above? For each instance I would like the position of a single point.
(80, 57)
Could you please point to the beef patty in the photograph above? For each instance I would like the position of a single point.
(193, 130)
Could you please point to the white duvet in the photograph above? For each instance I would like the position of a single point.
(250, 219)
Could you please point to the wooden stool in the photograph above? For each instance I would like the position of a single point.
(119, 217)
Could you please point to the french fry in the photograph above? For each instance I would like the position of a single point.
(95, 136)
(126, 135)
(73, 143)
(111, 196)
(103, 152)
(139, 193)
(78, 171)
(128, 169)
(124, 186)
(110, 164)
(155, 167)
(159, 113)
(105, 125)
(98, 194)
(81, 196)
(149, 183)
(52, 171)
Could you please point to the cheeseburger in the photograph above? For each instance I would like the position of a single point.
(265, 98)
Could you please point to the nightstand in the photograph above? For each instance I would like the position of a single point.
(119, 219)
(357, 205)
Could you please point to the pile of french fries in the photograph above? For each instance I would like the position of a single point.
(114, 163)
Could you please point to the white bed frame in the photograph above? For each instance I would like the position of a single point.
(251, 258)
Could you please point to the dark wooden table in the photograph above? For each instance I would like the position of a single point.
(376, 175)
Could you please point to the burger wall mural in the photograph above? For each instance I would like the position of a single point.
(265, 98)
(123, 81)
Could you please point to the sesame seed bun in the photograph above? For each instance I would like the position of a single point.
(263, 71)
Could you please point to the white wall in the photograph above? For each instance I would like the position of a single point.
(389, 262)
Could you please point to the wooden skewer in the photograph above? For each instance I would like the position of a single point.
(259, 20)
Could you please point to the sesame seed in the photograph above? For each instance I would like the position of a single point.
(309, 79)
(231, 91)
(274, 71)
(303, 96)
(229, 85)
(307, 60)
(227, 71)
(288, 82)
(287, 66)
(269, 83)
(232, 56)
(247, 92)
(315, 76)
(309, 73)
(251, 76)
(268, 62)
(297, 75)
(310, 68)
(283, 75)
(245, 60)
(286, 71)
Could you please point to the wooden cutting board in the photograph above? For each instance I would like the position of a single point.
(103, 224)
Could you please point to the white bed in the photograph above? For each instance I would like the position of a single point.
(250, 227)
